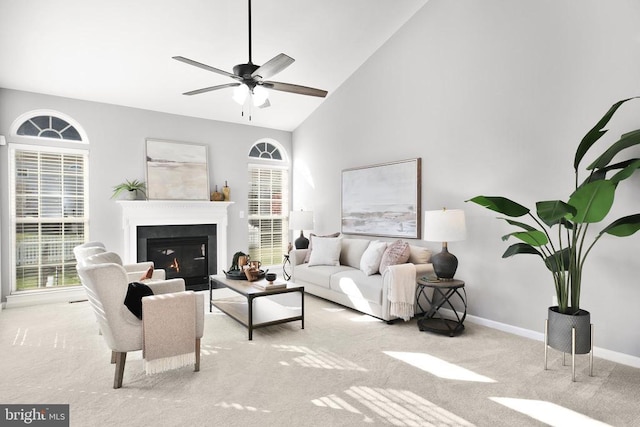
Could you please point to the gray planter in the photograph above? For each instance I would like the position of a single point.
(560, 330)
(559, 334)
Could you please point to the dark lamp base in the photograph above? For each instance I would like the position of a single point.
(302, 242)
(444, 264)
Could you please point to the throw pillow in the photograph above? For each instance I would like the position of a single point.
(352, 250)
(419, 255)
(133, 300)
(148, 274)
(397, 253)
(370, 262)
(308, 255)
(326, 251)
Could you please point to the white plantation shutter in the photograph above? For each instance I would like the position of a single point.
(50, 214)
(268, 210)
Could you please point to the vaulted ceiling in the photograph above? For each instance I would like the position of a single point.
(119, 51)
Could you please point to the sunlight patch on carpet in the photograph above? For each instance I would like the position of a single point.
(395, 407)
(333, 310)
(322, 359)
(438, 367)
(548, 413)
(240, 407)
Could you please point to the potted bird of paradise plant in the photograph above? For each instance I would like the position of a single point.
(560, 232)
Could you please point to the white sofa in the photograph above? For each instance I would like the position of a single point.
(347, 284)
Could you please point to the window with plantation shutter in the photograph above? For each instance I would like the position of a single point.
(268, 208)
(50, 215)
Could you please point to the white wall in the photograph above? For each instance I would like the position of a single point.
(117, 138)
(495, 97)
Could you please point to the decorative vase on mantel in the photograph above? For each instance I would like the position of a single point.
(217, 196)
(226, 191)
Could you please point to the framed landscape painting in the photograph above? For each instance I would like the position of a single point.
(176, 171)
(383, 200)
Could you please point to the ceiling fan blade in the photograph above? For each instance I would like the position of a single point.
(301, 90)
(205, 67)
(209, 89)
(272, 67)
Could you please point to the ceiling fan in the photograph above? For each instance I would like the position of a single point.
(250, 78)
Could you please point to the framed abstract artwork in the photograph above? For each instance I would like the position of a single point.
(383, 200)
(176, 170)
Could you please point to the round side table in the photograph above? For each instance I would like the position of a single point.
(286, 267)
(444, 294)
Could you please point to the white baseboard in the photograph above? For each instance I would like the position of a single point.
(27, 298)
(603, 353)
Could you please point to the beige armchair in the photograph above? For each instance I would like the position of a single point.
(106, 286)
(135, 271)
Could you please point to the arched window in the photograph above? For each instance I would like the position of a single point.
(265, 150)
(268, 202)
(48, 194)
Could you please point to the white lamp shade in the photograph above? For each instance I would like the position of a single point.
(301, 220)
(260, 96)
(446, 225)
(240, 93)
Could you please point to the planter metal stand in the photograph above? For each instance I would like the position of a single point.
(572, 334)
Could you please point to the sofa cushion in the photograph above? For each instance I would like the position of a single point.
(319, 275)
(370, 261)
(354, 283)
(352, 250)
(308, 255)
(419, 255)
(396, 253)
(326, 251)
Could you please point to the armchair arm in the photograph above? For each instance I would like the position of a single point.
(166, 286)
(296, 256)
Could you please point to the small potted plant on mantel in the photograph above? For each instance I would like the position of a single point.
(131, 189)
(559, 236)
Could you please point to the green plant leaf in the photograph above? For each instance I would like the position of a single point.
(626, 172)
(627, 140)
(592, 201)
(519, 224)
(534, 237)
(521, 248)
(623, 227)
(559, 261)
(501, 204)
(552, 212)
(596, 132)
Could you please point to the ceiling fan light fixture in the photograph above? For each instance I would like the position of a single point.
(260, 96)
(240, 93)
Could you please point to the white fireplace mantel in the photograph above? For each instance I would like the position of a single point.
(137, 213)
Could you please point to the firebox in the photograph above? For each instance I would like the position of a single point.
(185, 251)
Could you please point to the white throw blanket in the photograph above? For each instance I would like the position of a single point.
(402, 290)
(169, 328)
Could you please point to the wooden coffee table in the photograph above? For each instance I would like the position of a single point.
(256, 308)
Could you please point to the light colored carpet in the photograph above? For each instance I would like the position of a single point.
(343, 369)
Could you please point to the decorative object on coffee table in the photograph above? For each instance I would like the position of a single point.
(301, 220)
(446, 225)
(271, 277)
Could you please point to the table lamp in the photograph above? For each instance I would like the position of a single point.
(301, 220)
(446, 225)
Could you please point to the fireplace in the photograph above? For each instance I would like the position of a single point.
(186, 251)
(189, 222)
